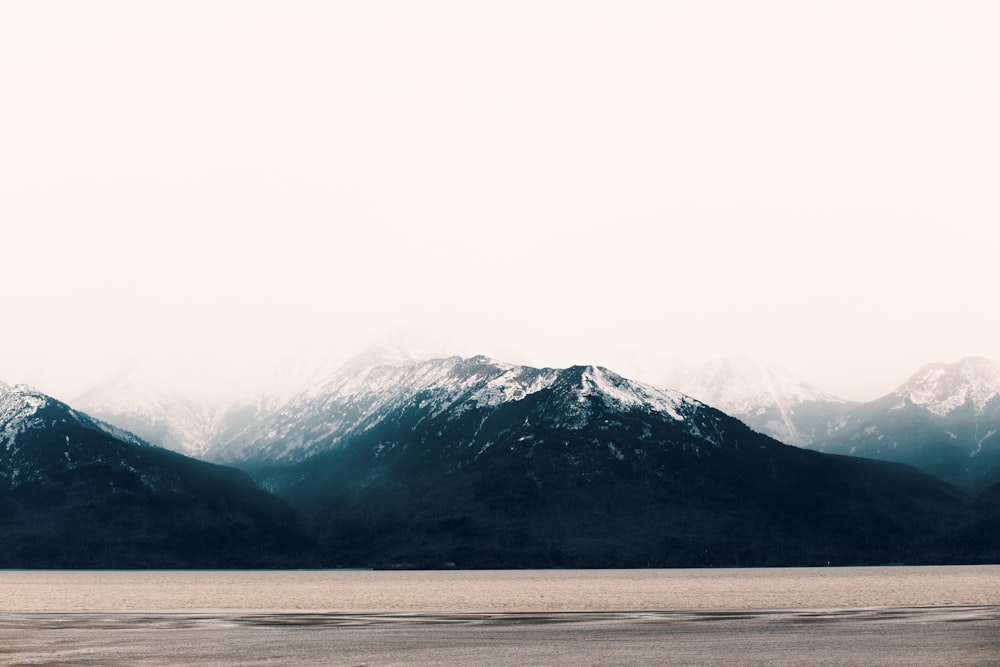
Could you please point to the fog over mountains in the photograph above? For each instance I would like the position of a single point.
(403, 458)
(599, 187)
(944, 419)
(767, 398)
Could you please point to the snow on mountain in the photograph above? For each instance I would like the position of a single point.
(183, 404)
(617, 391)
(311, 402)
(942, 388)
(768, 398)
(18, 405)
(380, 383)
(745, 386)
(944, 420)
(480, 463)
(189, 405)
(166, 416)
(25, 413)
(79, 493)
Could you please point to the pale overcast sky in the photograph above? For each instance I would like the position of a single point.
(814, 184)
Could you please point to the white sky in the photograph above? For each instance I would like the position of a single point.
(814, 184)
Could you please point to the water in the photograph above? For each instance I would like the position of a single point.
(869, 616)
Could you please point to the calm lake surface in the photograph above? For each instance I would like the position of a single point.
(788, 616)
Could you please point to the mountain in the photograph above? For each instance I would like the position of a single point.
(767, 398)
(944, 420)
(169, 419)
(173, 401)
(162, 401)
(477, 463)
(357, 395)
(971, 385)
(76, 492)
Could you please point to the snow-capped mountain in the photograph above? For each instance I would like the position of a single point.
(182, 404)
(942, 420)
(76, 492)
(487, 464)
(972, 384)
(20, 406)
(24, 414)
(172, 403)
(945, 420)
(401, 462)
(170, 419)
(767, 398)
(380, 384)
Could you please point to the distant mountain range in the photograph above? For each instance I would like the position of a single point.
(768, 399)
(396, 461)
(944, 420)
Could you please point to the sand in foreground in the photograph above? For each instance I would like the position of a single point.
(886, 636)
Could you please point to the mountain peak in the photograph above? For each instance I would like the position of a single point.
(942, 387)
(622, 393)
(17, 403)
(394, 352)
(21, 389)
(359, 399)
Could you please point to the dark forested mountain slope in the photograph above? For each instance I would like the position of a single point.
(483, 464)
(75, 492)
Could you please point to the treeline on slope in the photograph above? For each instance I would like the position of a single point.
(570, 500)
(89, 500)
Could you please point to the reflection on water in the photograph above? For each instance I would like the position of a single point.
(499, 591)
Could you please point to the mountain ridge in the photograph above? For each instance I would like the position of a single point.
(356, 398)
(483, 464)
(770, 400)
(942, 387)
(473, 463)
